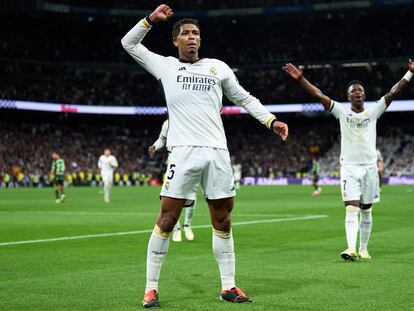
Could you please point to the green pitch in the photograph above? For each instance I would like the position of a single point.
(287, 249)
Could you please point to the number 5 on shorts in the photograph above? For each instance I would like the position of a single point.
(171, 172)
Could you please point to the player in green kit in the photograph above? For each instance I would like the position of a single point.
(315, 177)
(58, 171)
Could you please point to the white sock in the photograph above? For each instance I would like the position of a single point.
(365, 228)
(189, 214)
(177, 225)
(223, 248)
(351, 226)
(106, 191)
(157, 250)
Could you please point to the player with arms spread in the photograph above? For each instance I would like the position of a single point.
(107, 163)
(58, 172)
(358, 159)
(194, 88)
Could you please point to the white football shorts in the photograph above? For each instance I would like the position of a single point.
(191, 166)
(107, 178)
(360, 182)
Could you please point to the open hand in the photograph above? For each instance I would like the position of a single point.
(293, 71)
(161, 13)
(281, 129)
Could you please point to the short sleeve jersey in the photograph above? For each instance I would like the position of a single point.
(358, 132)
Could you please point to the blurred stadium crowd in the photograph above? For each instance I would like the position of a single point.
(25, 151)
(78, 59)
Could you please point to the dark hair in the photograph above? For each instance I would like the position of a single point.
(352, 83)
(177, 25)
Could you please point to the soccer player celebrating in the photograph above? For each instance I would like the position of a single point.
(315, 177)
(358, 159)
(58, 172)
(193, 89)
(160, 143)
(107, 163)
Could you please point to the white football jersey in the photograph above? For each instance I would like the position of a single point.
(193, 92)
(358, 132)
(379, 156)
(107, 164)
(161, 142)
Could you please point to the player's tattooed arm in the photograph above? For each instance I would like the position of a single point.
(400, 85)
(297, 74)
(161, 13)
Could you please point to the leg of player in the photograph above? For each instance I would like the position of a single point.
(365, 228)
(158, 247)
(188, 232)
(57, 194)
(106, 192)
(62, 193)
(223, 247)
(351, 229)
(176, 236)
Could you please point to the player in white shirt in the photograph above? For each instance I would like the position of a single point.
(107, 163)
(358, 159)
(380, 167)
(160, 143)
(194, 88)
(237, 173)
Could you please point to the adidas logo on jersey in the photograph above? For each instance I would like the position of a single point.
(182, 68)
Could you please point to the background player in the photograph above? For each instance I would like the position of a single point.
(160, 143)
(237, 173)
(380, 166)
(193, 89)
(359, 175)
(58, 172)
(315, 176)
(107, 163)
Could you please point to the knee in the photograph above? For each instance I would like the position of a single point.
(352, 209)
(366, 207)
(223, 223)
(366, 210)
(166, 222)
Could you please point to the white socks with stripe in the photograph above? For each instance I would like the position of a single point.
(223, 248)
(351, 226)
(157, 250)
(365, 228)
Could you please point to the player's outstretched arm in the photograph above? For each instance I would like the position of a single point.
(400, 85)
(297, 74)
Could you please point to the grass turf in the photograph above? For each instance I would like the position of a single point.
(287, 265)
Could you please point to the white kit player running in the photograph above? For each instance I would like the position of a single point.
(358, 159)
(107, 163)
(160, 143)
(193, 89)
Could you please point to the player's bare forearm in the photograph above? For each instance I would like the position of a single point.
(297, 74)
(400, 85)
(395, 90)
(315, 92)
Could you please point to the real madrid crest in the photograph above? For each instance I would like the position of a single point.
(213, 71)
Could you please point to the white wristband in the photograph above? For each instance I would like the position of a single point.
(407, 77)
